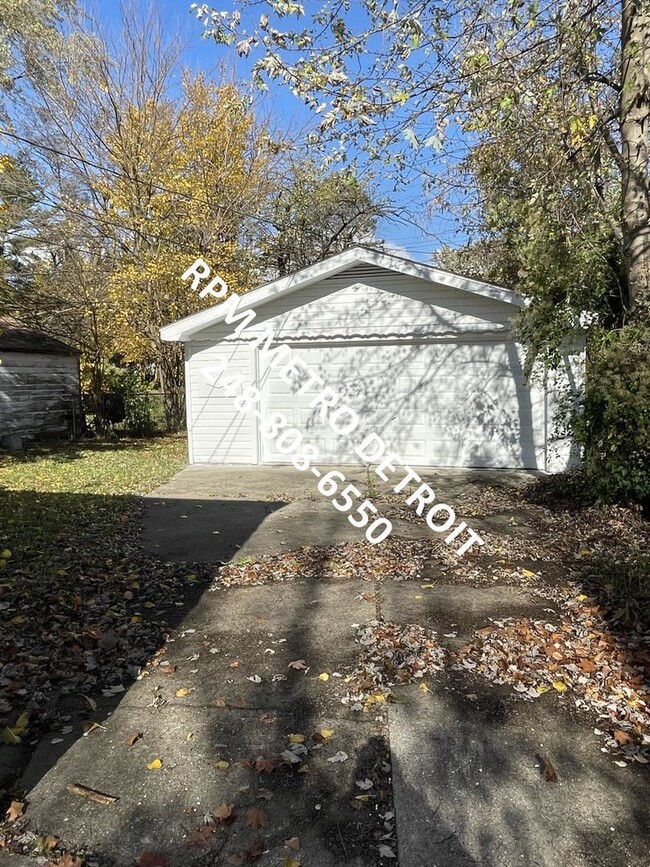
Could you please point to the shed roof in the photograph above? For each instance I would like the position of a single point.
(19, 338)
(184, 329)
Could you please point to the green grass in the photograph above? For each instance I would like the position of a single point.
(68, 515)
(109, 468)
(71, 495)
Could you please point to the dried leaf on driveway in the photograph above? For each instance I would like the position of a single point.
(386, 852)
(68, 860)
(225, 812)
(292, 843)
(151, 859)
(201, 836)
(133, 738)
(339, 757)
(155, 765)
(298, 664)
(256, 818)
(550, 774)
(15, 811)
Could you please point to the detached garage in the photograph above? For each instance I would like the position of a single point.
(425, 358)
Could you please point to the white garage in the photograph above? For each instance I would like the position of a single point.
(422, 358)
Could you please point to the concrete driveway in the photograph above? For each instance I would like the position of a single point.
(213, 513)
(452, 772)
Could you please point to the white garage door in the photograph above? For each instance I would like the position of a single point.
(435, 404)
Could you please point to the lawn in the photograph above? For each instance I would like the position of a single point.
(81, 606)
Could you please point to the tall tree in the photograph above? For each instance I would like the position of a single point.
(316, 214)
(138, 180)
(412, 71)
(28, 30)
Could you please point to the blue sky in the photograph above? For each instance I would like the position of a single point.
(416, 233)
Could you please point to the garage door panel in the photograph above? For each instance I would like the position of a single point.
(460, 404)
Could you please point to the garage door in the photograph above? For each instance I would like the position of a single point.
(435, 404)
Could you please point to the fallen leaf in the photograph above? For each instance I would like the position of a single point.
(224, 811)
(324, 676)
(292, 843)
(296, 739)
(69, 860)
(291, 862)
(132, 739)
(622, 737)
(155, 765)
(222, 765)
(201, 836)
(290, 757)
(364, 785)
(254, 852)
(339, 757)
(550, 774)
(15, 811)
(559, 686)
(297, 664)
(262, 793)
(385, 851)
(151, 859)
(183, 691)
(13, 735)
(256, 818)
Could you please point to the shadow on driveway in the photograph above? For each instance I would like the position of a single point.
(200, 530)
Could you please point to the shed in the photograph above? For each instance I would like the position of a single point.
(425, 358)
(40, 391)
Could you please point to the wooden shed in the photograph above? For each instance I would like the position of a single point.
(40, 391)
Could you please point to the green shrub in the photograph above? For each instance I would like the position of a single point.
(613, 423)
(137, 399)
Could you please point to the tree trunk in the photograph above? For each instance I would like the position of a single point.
(170, 369)
(634, 124)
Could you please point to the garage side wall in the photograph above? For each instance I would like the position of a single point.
(218, 433)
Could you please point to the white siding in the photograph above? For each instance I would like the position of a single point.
(432, 369)
(357, 304)
(38, 392)
(444, 403)
(219, 433)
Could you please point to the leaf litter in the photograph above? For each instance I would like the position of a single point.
(391, 654)
(579, 657)
(400, 559)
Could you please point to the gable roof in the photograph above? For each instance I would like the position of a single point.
(18, 338)
(184, 328)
